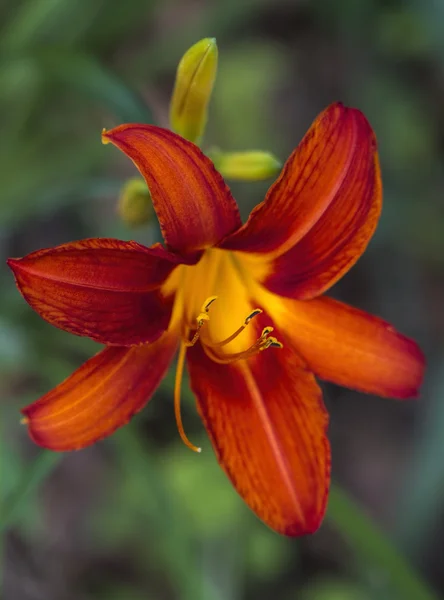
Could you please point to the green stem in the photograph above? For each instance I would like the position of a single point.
(368, 540)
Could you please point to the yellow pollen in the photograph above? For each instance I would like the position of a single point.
(201, 318)
(177, 390)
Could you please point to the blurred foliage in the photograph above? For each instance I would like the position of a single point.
(140, 516)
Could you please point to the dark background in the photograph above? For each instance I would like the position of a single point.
(140, 516)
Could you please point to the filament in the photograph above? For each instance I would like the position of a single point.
(177, 395)
(262, 343)
(201, 319)
(233, 336)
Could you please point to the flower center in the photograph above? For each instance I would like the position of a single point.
(212, 348)
(218, 326)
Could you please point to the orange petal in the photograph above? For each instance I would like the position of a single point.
(267, 423)
(102, 395)
(352, 348)
(319, 216)
(101, 288)
(194, 205)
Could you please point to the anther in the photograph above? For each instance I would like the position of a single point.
(255, 313)
(262, 343)
(271, 343)
(233, 336)
(266, 332)
(208, 302)
(201, 319)
(276, 344)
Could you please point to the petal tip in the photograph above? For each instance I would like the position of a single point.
(13, 263)
(309, 528)
(105, 136)
(412, 389)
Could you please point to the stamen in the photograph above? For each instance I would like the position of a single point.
(266, 331)
(233, 336)
(262, 343)
(177, 389)
(206, 305)
(271, 343)
(201, 318)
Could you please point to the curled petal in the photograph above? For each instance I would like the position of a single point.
(102, 395)
(311, 180)
(337, 240)
(319, 216)
(105, 289)
(352, 348)
(267, 423)
(194, 206)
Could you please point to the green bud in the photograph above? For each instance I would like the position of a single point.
(253, 165)
(135, 207)
(195, 78)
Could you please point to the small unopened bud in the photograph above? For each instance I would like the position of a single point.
(195, 78)
(253, 165)
(135, 207)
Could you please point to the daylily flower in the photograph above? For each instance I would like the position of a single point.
(242, 304)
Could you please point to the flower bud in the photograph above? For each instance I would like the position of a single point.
(192, 90)
(253, 165)
(135, 207)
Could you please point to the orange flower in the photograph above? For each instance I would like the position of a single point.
(242, 303)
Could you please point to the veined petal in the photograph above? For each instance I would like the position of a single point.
(102, 395)
(319, 216)
(350, 347)
(338, 239)
(105, 289)
(194, 205)
(267, 423)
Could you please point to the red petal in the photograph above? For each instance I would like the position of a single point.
(267, 424)
(321, 213)
(352, 348)
(101, 288)
(102, 395)
(194, 205)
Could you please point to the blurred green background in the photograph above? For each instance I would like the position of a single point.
(140, 516)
